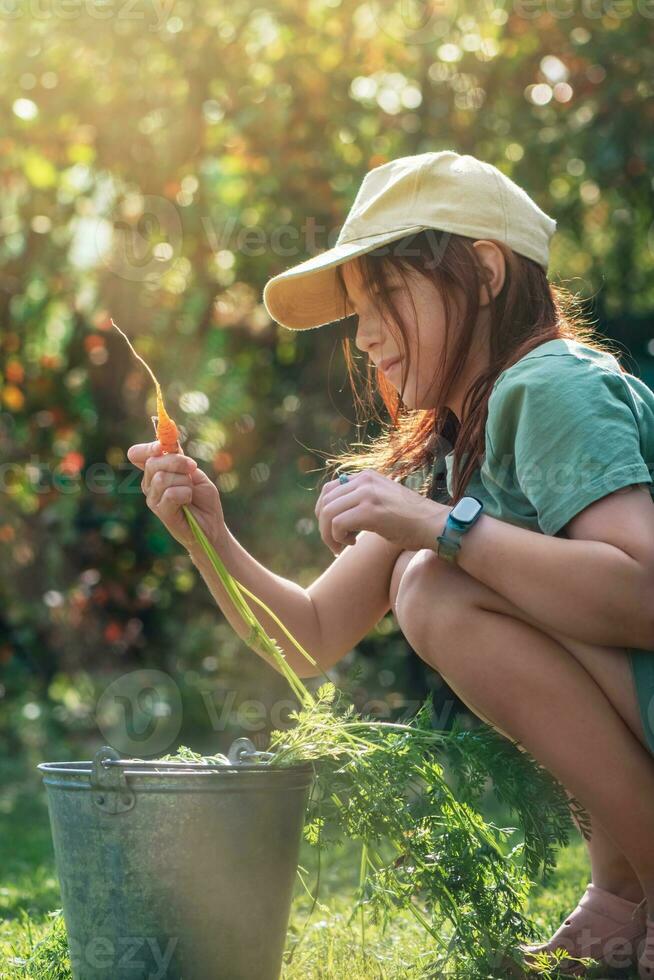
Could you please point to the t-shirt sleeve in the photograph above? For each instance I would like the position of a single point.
(562, 433)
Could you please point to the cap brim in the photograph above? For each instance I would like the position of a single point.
(308, 294)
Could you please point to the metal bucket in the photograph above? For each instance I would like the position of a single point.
(176, 870)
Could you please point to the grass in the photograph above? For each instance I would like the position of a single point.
(33, 940)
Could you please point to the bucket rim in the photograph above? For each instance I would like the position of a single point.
(161, 769)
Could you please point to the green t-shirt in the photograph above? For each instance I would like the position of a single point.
(565, 427)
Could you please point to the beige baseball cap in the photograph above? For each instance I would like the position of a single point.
(443, 190)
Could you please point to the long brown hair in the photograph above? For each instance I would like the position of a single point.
(526, 312)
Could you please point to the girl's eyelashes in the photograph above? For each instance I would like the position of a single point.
(390, 289)
(355, 315)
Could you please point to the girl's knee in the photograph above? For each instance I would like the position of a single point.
(401, 563)
(428, 594)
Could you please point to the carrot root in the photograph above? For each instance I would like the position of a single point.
(167, 431)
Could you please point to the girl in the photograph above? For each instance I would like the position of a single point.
(535, 602)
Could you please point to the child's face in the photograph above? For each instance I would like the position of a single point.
(381, 340)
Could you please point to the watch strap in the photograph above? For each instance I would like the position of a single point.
(449, 542)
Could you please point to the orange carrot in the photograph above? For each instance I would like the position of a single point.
(258, 639)
(167, 431)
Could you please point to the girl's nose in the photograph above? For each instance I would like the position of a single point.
(365, 341)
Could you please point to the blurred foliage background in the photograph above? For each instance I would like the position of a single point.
(158, 163)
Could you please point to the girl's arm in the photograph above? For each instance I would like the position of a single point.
(596, 587)
(329, 618)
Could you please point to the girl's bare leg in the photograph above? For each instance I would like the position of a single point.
(609, 867)
(571, 705)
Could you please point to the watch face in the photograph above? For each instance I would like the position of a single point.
(466, 510)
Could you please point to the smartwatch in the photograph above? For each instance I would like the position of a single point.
(459, 520)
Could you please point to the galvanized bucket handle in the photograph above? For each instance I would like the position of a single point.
(110, 791)
(240, 750)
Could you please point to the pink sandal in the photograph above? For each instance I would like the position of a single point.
(606, 927)
(646, 958)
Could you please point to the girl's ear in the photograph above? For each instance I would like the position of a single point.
(493, 268)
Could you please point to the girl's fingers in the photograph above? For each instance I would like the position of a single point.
(139, 453)
(335, 505)
(333, 491)
(161, 483)
(170, 463)
(172, 499)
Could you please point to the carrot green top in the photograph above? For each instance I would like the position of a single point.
(565, 427)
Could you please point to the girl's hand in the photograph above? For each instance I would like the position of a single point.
(171, 481)
(372, 502)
